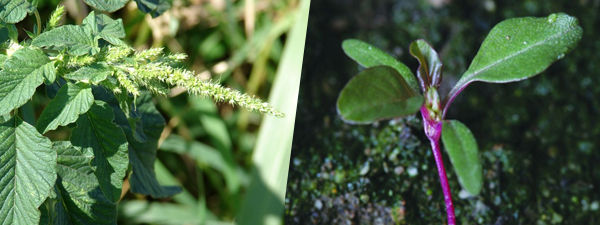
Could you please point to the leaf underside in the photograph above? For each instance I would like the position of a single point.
(464, 154)
(377, 93)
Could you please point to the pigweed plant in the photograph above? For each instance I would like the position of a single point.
(101, 93)
(514, 50)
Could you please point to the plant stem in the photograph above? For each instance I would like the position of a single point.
(38, 22)
(433, 130)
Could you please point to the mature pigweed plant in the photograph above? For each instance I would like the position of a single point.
(514, 50)
(101, 91)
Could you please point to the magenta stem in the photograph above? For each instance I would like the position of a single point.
(433, 130)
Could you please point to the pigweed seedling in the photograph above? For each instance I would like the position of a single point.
(100, 92)
(514, 50)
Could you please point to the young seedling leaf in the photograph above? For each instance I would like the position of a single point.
(71, 101)
(27, 166)
(97, 132)
(107, 5)
(94, 73)
(22, 73)
(153, 7)
(377, 93)
(368, 56)
(520, 48)
(463, 153)
(13, 11)
(80, 201)
(430, 65)
(76, 40)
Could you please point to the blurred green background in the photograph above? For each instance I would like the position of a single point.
(538, 138)
(207, 148)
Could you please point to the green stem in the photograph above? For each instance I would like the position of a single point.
(38, 22)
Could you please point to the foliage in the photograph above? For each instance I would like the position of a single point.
(514, 49)
(100, 93)
(537, 151)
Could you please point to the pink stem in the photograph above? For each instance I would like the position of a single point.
(433, 130)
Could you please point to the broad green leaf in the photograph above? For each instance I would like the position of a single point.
(430, 65)
(27, 166)
(104, 27)
(153, 7)
(463, 153)
(71, 101)
(97, 132)
(94, 73)
(80, 200)
(143, 154)
(368, 56)
(107, 5)
(22, 73)
(13, 11)
(377, 93)
(76, 40)
(519, 48)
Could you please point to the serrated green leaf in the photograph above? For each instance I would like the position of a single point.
(153, 7)
(80, 200)
(107, 5)
(76, 40)
(97, 132)
(22, 73)
(463, 153)
(94, 73)
(143, 154)
(71, 101)
(104, 27)
(368, 56)
(519, 48)
(13, 11)
(430, 65)
(377, 93)
(27, 166)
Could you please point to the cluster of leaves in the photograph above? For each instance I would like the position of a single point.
(514, 50)
(101, 93)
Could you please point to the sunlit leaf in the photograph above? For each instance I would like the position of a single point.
(22, 73)
(71, 101)
(13, 11)
(27, 166)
